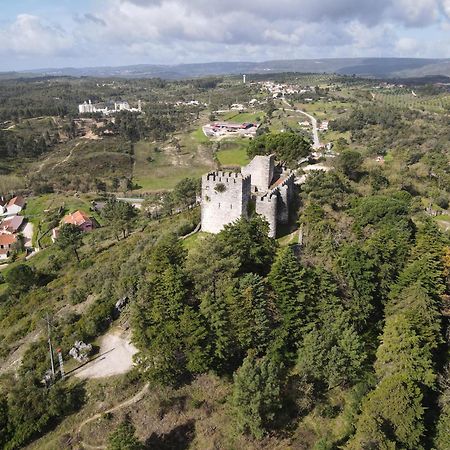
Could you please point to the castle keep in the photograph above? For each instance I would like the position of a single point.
(226, 196)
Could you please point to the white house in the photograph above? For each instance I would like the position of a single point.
(14, 206)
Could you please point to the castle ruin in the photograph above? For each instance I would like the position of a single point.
(227, 196)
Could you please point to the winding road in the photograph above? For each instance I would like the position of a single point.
(316, 140)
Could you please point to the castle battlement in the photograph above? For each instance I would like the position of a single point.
(226, 195)
(225, 177)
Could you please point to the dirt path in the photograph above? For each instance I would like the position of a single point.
(41, 166)
(67, 157)
(131, 401)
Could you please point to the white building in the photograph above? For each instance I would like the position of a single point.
(89, 108)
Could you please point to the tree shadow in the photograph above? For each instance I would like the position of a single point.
(179, 438)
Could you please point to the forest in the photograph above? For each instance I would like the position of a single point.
(337, 340)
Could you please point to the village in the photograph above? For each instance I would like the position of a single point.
(17, 231)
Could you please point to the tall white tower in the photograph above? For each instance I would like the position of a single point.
(244, 78)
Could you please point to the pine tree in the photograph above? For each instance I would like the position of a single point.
(196, 340)
(392, 417)
(442, 437)
(257, 391)
(332, 351)
(360, 275)
(251, 313)
(401, 351)
(286, 280)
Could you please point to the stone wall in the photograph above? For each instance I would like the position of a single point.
(225, 197)
(266, 206)
(261, 169)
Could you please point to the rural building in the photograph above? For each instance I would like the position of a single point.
(78, 218)
(226, 195)
(15, 206)
(12, 225)
(6, 243)
(216, 129)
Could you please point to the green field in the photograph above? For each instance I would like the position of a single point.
(235, 116)
(41, 210)
(163, 169)
(233, 153)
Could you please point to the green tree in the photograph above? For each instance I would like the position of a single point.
(349, 162)
(392, 417)
(70, 239)
(257, 393)
(120, 216)
(286, 279)
(332, 352)
(401, 351)
(196, 340)
(124, 437)
(288, 147)
(422, 312)
(185, 192)
(213, 275)
(359, 273)
(20, 278)
(442, 436)
(251, 313)
(248, 241)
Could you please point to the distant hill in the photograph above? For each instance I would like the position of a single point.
(363, 67)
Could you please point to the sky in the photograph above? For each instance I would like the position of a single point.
(85, 33)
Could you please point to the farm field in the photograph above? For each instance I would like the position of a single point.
(408, 100)
(233, 153)
(162, 168)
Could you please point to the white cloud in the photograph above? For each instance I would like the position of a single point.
(165, 31)
(29, 35)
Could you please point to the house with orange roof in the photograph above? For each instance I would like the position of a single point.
(81, 220)
(78, 218)
(6, 243)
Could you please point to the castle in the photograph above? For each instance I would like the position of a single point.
(227, 196)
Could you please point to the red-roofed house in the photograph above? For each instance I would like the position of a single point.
(15, 206)
(78, 218)
(6, 243)
(81, 220)
(12, 225)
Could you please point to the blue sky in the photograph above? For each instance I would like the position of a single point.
(76, 33)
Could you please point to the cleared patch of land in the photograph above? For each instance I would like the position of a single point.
(115, 357)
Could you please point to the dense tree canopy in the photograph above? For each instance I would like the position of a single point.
(287, 147)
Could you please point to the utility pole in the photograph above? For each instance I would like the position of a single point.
(61, 364)
(50, 347)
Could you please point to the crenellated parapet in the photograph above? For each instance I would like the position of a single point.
(226, 195)
(225, 198)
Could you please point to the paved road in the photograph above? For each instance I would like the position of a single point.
(316, 140)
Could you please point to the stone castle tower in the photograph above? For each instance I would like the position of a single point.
(226, 195)
(225, 199)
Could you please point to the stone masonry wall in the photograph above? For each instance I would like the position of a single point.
(225, 197)
(261, 169)
(266, 206)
